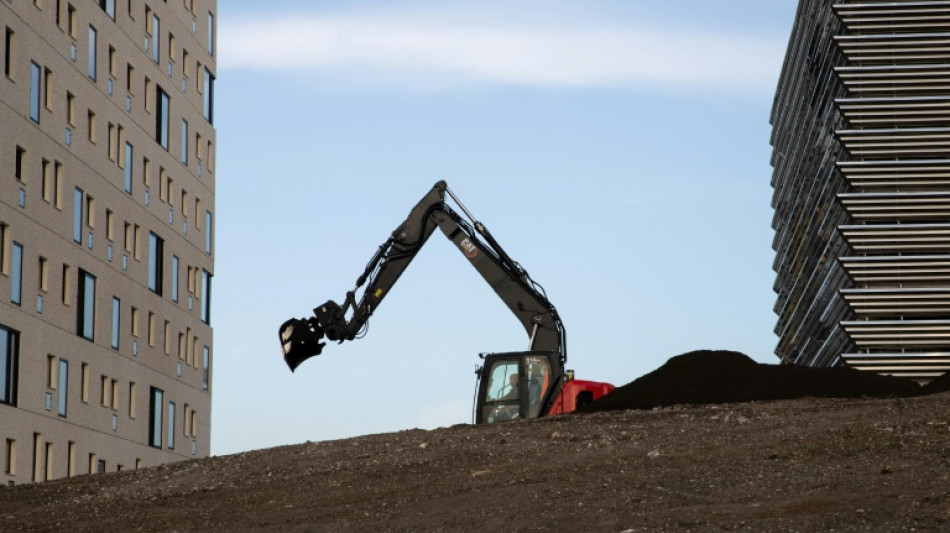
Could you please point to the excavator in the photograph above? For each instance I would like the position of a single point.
(510, 385)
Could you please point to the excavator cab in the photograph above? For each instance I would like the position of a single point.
(515, 385)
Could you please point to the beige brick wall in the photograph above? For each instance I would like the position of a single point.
(168, 198)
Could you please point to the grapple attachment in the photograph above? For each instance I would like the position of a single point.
(300, 340)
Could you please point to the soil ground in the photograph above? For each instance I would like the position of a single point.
(807, 464)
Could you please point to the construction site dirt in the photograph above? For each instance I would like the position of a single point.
(806, 464)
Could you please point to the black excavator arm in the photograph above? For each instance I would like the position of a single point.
(303, 338)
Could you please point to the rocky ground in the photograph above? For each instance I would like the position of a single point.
(808, 464)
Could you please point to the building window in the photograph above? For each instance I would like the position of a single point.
(112, 139)
(129, 78)
(78, 203)
(90, 211)
(16, 274)
(208, 232)
(156, 32)
(84, 386)
(184, 141)
(57, 184)
(71, 20)
(135, 322)
(48, 85)
(37, 457)
(104, 391)
(70, 109)
(18, 168)
(205, 366)
(9, 464)
(112, 63)
(34, 92)
(9, 52)
(155, 417)
(171, 48)
(4, 248)
(43, 273)
(132, 399)
(71, 459)
(66, 288)
(92, 53)
(155, 262)
(116, 308)
(171, 425)
(110, 224)
(86, 310)
(47, 177)
(9, 364)
(91, 125)
(109, 7)
(128, 168)
(211, 33)
(167, 338)
(49, 461)
(51, 371)
(175, 278)
(161, 117)
(209, 96)
(63, 386)
(147, 92)
(205, 296)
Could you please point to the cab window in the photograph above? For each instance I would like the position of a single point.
(503, 383)
(503, 397)
(538, 377)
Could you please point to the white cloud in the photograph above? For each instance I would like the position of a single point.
(427, 55)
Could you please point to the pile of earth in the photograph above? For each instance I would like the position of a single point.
(722, 376)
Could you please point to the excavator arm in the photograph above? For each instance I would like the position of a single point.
(303, 338)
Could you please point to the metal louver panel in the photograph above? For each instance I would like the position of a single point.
(899, 334)
(890, 48)
(896, 110)
(898, 302)
(933, 174)
(899, 270)
(877, 80)
(892, 206)
(921, 366)
(895, 143)
(890, 17)
(889, 238)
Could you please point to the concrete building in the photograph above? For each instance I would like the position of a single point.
(861, 158)
(106, 234)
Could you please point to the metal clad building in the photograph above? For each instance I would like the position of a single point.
(861, 158)
(106, 234)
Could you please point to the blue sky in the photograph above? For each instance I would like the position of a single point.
(619, 150)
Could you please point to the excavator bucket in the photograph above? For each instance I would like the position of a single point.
(300, 340)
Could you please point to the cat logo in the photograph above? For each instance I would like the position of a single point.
(468, 248)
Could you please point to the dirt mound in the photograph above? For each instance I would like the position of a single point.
(814, 464)
(941, 384)
(721, 376)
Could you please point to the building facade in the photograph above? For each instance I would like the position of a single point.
(861, 158)
(106, 234)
